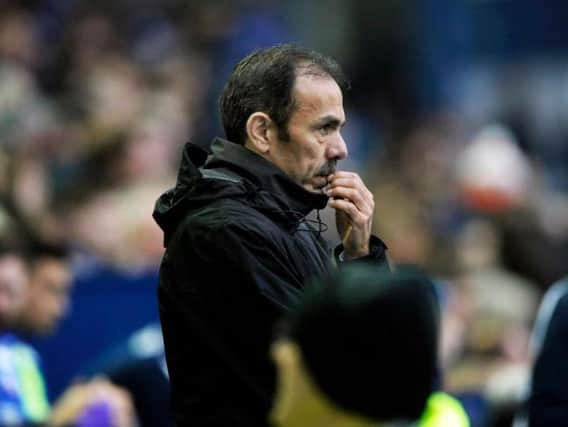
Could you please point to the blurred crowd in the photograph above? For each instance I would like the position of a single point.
(97, 99)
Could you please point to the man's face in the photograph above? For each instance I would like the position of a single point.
(314, 128)
(48, 296)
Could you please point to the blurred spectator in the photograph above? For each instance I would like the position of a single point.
(547, 394)
(23, 397)
(47, 291)
(138, 365)
(490, 355)
(36, 296)
(18, 38)
(346, 358)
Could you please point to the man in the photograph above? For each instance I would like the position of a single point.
(22, 391)
(23, 396)
(41, 281)
(361, 351)
(47, 295)
(239, 249)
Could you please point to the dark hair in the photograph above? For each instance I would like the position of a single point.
(369, 337)
(263, 81)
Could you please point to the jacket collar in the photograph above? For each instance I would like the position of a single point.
(263, 174)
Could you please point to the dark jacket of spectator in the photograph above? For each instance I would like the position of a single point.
(547, 403)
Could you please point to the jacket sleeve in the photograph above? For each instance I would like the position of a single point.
(377, 253)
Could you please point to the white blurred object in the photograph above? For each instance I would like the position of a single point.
(492, 172)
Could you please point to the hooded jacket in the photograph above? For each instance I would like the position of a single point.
(238, 254)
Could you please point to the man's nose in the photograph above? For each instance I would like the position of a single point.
(337, 149)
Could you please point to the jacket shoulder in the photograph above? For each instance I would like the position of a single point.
(225, 213)
(226, 220)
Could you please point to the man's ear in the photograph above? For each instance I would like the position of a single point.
(259, 132)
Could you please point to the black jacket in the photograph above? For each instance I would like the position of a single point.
(238, 254)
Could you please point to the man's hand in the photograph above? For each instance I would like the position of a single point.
(354, 206)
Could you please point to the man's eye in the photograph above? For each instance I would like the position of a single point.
(326, 129)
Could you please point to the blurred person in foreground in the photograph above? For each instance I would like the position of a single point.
(238, 246)
(546, 404)
(39, 283)
(361, 350)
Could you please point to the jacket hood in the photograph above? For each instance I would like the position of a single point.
(248, 176)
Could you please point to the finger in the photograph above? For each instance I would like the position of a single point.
(343, 182)
(343, 178)
(343, 174)
(349, 180)
(361, 200)
(355, 216)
